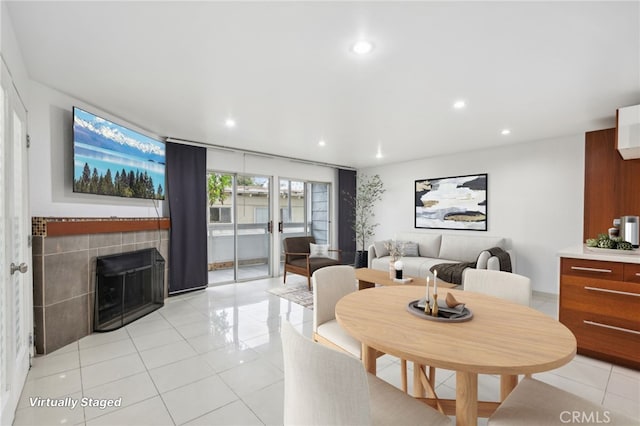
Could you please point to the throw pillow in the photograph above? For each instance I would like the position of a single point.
(381, 249)
(411, 249)
(483, 257)
(318, 250)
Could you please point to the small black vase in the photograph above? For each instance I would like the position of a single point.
(362, 259)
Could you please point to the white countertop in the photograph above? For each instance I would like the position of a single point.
(591, 253)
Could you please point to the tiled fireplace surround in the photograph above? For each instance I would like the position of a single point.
(64, 265)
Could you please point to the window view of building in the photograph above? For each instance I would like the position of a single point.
(239, 221)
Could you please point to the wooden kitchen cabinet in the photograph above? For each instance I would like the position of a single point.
(600, 304)
(611, 184)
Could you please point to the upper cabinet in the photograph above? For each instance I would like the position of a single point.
(611, 184)
(628, 132)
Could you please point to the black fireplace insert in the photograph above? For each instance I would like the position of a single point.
(128, 286)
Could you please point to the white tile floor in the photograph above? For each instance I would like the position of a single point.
(213, 358)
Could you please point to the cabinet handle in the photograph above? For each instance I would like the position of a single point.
(581, 268)
(597, 324)
(606, 290)
(637, 274)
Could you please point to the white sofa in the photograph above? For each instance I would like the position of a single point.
(435, 248)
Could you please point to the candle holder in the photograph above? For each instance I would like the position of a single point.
(427, 307)
(434, 310)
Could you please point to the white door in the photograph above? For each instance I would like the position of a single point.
(16, 288)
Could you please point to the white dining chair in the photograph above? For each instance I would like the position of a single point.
(331, 284)
(534, 403)
(505, 285)
(323, 386)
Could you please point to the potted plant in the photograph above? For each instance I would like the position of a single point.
(369, 190)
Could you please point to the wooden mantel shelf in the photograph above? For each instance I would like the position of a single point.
(55, 226)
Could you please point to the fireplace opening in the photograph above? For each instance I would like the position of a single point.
(128, 286)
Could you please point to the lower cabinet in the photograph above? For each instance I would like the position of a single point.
(600, 304)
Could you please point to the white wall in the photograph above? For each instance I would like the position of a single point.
(51, 162)
(535, 199)
(11, 54)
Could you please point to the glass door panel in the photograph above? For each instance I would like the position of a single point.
(319, 212)
(239, 227)
(253, 232)
(291, 207)
(220, 228)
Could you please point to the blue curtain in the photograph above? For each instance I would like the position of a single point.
(187, 193)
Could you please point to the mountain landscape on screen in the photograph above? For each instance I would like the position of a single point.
(110, 159)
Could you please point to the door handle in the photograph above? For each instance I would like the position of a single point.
(270, 227)
(22, 268)
(280, 227)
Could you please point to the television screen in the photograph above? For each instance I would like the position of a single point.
(110, 159)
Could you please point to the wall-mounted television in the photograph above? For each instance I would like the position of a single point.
(110, 159)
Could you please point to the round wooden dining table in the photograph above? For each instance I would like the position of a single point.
(502, 338)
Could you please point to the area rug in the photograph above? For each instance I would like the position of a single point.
(297, 294)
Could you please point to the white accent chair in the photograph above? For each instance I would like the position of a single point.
(327, 387)
(505, 285)
(534, 403)
(330, 284)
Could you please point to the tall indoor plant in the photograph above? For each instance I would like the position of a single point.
(369, 190)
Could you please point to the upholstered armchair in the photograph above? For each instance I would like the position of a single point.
(299, 259)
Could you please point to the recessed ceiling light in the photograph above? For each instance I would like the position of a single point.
(379, 153)
(321, 142)
(230, 123)
(459, 104)
(362, 47)
(505, 132)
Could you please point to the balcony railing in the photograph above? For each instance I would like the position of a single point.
(253, 243)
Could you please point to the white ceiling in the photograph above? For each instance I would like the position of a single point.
(284, 71)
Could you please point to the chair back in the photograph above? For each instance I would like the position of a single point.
(330, 284)
(505, 285)
(297, 245)
(322, 386)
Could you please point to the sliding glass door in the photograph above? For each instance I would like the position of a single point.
(239, 227)
(304, 210)
(292, 208)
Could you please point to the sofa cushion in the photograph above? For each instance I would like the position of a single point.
(465, 248)
(428, 244)
(483, 257)
(410, 249)
(381, 248)
(318, 250)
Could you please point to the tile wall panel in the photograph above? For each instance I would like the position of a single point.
(65, 276)
(66, 243)
(66, 322)
(105, 240)
(64, 280)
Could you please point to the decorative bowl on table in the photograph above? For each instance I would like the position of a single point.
(457, 313)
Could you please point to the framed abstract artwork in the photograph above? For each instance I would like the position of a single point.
(457, 202)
